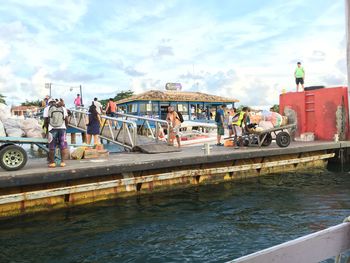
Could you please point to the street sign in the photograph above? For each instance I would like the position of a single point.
(173, 86)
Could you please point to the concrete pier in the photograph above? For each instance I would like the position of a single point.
(37, 188)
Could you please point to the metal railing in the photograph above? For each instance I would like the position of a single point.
(125, 129)
(315, 247)
(150, 127)
(115, 130)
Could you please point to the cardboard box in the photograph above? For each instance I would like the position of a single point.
(91, 154)
(103, 154)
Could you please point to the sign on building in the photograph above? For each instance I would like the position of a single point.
(173, 86)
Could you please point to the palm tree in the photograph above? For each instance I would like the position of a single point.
(2, 99)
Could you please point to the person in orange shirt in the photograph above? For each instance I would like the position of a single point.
(111, 110)
(173, 119)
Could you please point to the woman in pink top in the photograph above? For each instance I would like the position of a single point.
(77, 101)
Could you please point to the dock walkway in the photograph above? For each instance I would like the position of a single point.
(36, 171)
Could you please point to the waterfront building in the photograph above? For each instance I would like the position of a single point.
(192, 105)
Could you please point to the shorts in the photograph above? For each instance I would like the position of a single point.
(229, 126)
(220, 129)
(112, 114)
(299, 81)
(176, 130)
(237, 131)
(59, 139)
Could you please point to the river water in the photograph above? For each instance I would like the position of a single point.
(212, 223)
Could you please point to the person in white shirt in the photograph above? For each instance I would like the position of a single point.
(98, 106)
(56, 122)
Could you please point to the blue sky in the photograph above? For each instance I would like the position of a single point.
(240, 49)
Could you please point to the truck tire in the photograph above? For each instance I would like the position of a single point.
(283, 139)
(13, 157)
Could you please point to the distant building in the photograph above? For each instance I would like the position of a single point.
(26, 111)
(192, 105)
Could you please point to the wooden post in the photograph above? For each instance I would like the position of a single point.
(73, 138)
(83, 137)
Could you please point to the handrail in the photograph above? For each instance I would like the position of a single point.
(315, 247)
(124, 132)
(159, 124)
(125, 126)
(141, 117)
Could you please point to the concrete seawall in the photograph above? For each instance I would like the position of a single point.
(38, 188)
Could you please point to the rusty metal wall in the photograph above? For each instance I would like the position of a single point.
(30, 199)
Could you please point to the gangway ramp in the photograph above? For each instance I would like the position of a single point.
(124, 130)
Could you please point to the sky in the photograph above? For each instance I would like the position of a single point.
(239, 49)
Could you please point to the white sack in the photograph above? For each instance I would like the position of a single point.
(32, 128)
(266, 125)
(2, 130)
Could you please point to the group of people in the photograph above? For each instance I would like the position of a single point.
(236, 123)
(55, 125)
(94, 120)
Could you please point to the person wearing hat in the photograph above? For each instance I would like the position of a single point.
(299, 75)
(56, 122)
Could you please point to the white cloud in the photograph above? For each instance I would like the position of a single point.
(115, 45)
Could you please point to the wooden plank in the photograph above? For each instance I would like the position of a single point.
(315, 247)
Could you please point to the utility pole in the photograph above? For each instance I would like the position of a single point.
(48, 86)
(81, 95)
(347, 21)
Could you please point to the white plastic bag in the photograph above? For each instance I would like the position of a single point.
(266, 125)
(15, 132)
(13, 127)
(32, 128)
(5, 112)
(2, 130)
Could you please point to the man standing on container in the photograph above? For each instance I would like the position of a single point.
(219, 119)
(299, 75)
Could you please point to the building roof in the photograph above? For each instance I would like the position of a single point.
(170, 95)
(23, 108)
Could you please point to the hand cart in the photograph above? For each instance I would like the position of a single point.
(265, 138)
(12, 156)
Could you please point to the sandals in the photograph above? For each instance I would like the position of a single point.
(53, 165)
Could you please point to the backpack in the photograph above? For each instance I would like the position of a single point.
(217, 117)
(56, 116)
(180, 117)
(235, 118)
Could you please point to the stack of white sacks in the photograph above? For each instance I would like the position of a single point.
(16, 127)
(267, 120)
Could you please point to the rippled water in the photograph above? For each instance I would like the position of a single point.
(213, 223)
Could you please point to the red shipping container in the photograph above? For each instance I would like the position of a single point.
(325, 111)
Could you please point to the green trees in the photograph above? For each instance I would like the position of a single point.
(32, 103)
(2, 99)
(121, 95)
